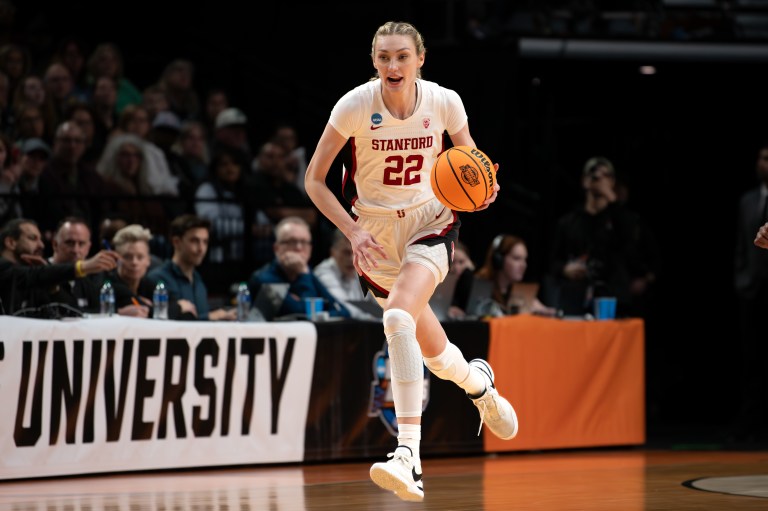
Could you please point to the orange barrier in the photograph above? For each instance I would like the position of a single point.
(572, 383)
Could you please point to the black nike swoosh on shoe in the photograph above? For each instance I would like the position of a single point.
(416, 477)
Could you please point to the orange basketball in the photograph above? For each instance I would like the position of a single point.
(463, 178)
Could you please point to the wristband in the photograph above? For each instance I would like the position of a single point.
(79, 273)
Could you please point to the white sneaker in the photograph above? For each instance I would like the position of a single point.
(401, 474)
(495, 411)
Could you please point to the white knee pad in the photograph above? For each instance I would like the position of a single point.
(404, 352)
(406, 363)
(449, 365)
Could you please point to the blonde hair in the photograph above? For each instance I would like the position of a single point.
(400, 28)
(131, 234)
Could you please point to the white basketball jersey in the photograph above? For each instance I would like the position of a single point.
(389, 159)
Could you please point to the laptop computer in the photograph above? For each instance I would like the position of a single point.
(524, 294)
(370, 306)
(481, 303)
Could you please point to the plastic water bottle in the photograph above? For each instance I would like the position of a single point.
(243, 302)
(160, 301)
(107, 299)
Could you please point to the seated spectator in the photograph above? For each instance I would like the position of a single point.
(107, 60)
(216, 101)
(220, 200)
(71, 243)
(275, 190)
(94, 134)
(29, 123)
(71, 52)
(231, 130)
(133, 289)
(59, 85)
(337, 273)
(164, 133)
(154, 100)
(192, 146)
(126, 170)
(293, 249)
(26, 279)
(177, 80)
(34, 156)
(31, 91)
(189, 236)
(505, 265)
(285, 135)
(70, 188)
(135, 119)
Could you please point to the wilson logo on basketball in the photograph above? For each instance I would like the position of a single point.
(486, 163)
(469, 175)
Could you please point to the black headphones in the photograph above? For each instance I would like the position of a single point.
(497, 258)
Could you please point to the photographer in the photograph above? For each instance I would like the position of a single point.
(602, 249)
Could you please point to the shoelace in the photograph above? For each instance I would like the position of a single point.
(483, 407)
(402, 458)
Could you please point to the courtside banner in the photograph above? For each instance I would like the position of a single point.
(123, 394)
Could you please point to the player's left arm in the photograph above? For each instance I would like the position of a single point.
(462, 137)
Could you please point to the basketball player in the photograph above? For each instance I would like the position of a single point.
(402, 237)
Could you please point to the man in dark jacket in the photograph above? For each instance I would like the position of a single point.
(26, 279)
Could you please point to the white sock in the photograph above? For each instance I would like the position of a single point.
(410, 436)
(451, 365)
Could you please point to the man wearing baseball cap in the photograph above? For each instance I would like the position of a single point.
(231, 130)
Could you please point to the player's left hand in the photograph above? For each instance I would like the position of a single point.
(492, 198)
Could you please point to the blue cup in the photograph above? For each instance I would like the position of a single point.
(313, 307)
(605, 307)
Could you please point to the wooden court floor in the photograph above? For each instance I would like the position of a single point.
(615, 480)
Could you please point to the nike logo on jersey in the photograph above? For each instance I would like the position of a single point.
(374, 127)
(441, 212)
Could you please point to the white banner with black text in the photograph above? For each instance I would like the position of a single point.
(124, 394)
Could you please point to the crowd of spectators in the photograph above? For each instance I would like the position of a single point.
(80, 138)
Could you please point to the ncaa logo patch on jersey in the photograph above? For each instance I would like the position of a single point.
(381, 403)
(376, 119)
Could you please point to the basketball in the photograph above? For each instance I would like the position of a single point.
(463, 178)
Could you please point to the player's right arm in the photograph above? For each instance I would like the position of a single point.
(328, 147)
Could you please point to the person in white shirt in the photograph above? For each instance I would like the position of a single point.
(337, 272)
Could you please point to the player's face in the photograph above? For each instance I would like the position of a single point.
(396, 60)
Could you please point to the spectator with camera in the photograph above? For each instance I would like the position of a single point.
(601, 248)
